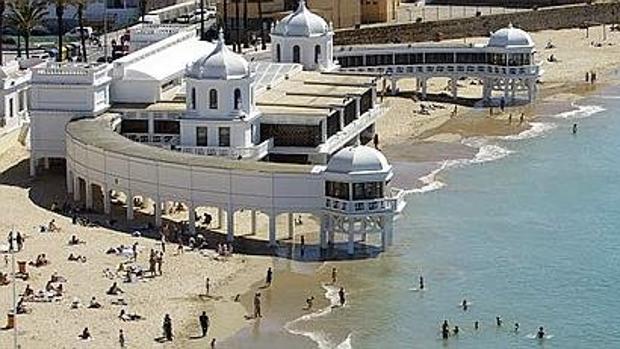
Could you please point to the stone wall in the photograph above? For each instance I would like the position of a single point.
(550, 18)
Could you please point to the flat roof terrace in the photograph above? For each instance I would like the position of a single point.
(98, 133)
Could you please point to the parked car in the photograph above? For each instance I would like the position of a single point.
(152, 19)
(75, 32)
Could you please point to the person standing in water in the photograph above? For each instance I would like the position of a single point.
(342, 297)
(541, 333)
(421, 282)
(574, 129)
(498, 321)
(464, 304)
(476, 325)
(516, 327)
(445, 330)
(269, 277)
(456, 330)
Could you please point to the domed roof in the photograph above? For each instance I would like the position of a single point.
(221, 64)
(358, 159)
(510, 37)
(302, 22)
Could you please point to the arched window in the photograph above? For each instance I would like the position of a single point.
(317, 53)
(193, 98)
(278, 54)
(237, 99)
(296, 54)
(213, 99)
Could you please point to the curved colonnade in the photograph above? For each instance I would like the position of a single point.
(97, 156)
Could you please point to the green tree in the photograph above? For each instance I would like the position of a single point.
(24, 15)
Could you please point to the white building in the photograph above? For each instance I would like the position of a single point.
(14, 96)
(191, 122)
(305, 38)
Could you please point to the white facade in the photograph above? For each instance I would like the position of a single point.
(14, 97)
(303, 37)
(58, 94)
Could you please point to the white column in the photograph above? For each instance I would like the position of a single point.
(46, 163)
(513, 89)
(230, 221)
(272, 229)
(107, 208)
(158, 212)
(76, 188)
(33, 165)
(191, 212)
(394, 85)
(454, 87)
(506, 90)
(253, 222)
(389, 228)
(69, 179)
(424, 87)
(291, 226)
(129, 203)
(323, 232)
(351, 240)
(89, 195)
(220, 217)
(530, 91)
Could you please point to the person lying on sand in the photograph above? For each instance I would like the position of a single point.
(40, 261)
(114, 290)
(124, 316)
(94, 304)
(85, 335)
(75, 241)
(78, 258)
(28, 291)
(52, 227)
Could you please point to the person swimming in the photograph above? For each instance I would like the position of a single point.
(541, 333)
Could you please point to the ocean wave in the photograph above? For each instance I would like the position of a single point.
(486, 153)
(580, 112)
(319, 337)
(537, 129)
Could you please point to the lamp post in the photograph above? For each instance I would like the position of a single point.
(13, 250)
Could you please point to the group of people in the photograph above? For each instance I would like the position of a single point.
(591, 77)
(445, 327)
(156, 259)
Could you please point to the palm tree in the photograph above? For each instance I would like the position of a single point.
(263, 44)
(142, 4)
(245, 24)
(80, 13)
(2, 9)
(25, 15)
(225, 24)
(237, 25)
(60, 11)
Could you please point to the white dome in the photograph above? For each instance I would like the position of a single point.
(510, 37)
(358, 159)
(220, 64)
(302, 22)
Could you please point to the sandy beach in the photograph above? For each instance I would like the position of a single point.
(405, 136)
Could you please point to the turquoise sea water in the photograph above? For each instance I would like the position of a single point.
(533, 237)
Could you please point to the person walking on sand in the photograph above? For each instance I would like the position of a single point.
(269, 277)
(204, 323)
(342, 296)
(521, 118)
(167, 327)
(334, 276)
(510, 119)
(257, 312)
(502, 104)
(134, 249)
(208, 285)
(213, 343)
(121, 338)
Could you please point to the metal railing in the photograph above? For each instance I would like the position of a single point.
(471, 69)
(256, 152)
(395, 202)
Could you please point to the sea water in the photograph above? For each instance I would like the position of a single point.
(528, 231)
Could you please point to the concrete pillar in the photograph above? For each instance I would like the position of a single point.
(76, 188)
(394, 86)
(506, 89)
(107, 207)
(291, 226)
(383, 237)
(151, 126)
(129, 203)
(513, 89)
(424, 87)
(33, 166)
(220, 218)
(351, 240)
(530, 90)
(46, 163)
(157, 212)
(323, 232)
(454, 87)
(191, 212)
(230, 221)
(253, 222)
(389, 229)
(272, 229)
(69, 181)
(364, 237)
(89, 195)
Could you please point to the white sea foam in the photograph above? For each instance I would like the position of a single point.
(580, 112)
(319, 337)
(486, 153)
(537, 129)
